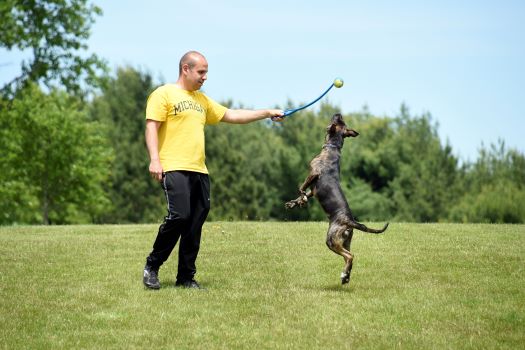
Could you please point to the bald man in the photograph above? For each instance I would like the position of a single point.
(175, 118)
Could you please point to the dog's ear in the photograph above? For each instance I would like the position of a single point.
(337, 119)
(331, 128)
(351, 133)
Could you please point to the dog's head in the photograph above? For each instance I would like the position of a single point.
(337, 131)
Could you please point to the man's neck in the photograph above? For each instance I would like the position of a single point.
(181, 85)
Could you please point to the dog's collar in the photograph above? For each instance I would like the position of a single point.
(331, 145)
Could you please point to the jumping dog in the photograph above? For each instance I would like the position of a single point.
(323, 183)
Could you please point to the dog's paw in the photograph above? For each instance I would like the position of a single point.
(290, 205)
(345, 278)
(302, 200)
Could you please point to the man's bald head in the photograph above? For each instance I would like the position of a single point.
(193, 70)
(191, 58)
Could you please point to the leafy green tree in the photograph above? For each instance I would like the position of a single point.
(499, 202)
(55, 32)
(494, 187)
(303, 136)
(369, 164)
(244, 172)
(410, 175)
(425, 183)
(121, 107)
(53, 160)
(366, 204)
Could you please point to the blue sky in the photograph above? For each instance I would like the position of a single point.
(460, 61)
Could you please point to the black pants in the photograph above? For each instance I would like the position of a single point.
(188, 199)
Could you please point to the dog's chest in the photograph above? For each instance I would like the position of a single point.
(326, 167)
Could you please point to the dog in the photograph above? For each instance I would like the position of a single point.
(323, 183)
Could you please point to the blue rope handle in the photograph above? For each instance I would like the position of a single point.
(291, 111)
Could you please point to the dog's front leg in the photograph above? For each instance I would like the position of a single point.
(307, 183)
(303, 197)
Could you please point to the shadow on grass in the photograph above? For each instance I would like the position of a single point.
(338, 288)
(170, 284)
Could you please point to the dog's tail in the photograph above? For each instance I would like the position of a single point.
(359, 226)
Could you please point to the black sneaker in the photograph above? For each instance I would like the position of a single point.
(191, 284)
(151, 277)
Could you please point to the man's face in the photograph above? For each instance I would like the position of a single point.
(197, 75)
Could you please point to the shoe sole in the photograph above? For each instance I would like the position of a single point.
(191, 288)
(151, 287)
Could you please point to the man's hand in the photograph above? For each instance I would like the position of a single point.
(155, 170)
(276, 115)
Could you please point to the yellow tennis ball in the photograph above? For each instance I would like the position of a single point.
(338, 82)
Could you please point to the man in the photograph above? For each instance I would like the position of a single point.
(175, 118)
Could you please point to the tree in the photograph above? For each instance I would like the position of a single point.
(409, 173)
(425, 183)
(370, 164)
(302, 139)
(121, 107)
(493, 187)
(55, 32)
(244, 172)
(53, 163)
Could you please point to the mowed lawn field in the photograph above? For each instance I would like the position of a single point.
(270, 285)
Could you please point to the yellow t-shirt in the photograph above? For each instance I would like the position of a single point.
(181, 135)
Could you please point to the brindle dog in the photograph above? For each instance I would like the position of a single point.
(323, 182)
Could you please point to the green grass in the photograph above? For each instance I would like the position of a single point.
(270, 285)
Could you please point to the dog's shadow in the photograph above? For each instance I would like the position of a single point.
(336, 288)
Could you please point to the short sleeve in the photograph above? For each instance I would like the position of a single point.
(215, 112)
(157, 107)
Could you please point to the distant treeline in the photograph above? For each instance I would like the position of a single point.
(67, 160)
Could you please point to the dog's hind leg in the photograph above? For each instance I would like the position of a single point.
(347, 236)
(338, 240)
